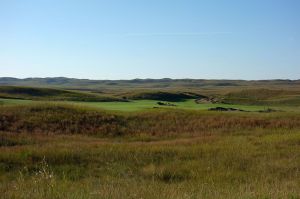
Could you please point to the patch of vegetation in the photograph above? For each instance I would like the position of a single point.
(58, 119)
(8, 139)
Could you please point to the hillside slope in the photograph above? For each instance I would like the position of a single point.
(263, 97)
(17, 92)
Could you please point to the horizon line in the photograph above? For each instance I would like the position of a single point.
(187, 78)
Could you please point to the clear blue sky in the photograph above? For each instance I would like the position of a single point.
(125, 39)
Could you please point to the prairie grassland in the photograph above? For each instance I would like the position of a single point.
(245, 164)
(55, 151)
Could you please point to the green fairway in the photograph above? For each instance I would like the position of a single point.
(140, 105)
(14, 101)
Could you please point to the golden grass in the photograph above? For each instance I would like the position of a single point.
(67, 152)
(62, 119)
(243, 164)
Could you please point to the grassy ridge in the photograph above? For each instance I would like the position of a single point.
(264, 97)
(77, 120)
(48, 94)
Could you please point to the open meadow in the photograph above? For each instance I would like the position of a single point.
(149, 145)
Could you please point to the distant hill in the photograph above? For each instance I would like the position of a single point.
(256, 92)
(165, 83)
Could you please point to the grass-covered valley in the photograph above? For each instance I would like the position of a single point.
(223, 139)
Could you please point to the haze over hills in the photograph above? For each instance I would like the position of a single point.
(146, 83)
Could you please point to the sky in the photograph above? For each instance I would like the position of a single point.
(127, 39)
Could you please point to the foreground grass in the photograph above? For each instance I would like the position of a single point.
(243, 164)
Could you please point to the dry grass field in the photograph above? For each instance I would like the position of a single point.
(58, 151)
(150, 144)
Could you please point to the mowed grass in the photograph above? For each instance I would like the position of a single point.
(15, 102)
(138, 105)
(142, 105)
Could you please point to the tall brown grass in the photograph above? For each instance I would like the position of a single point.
(55, 151)
(61, 119)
